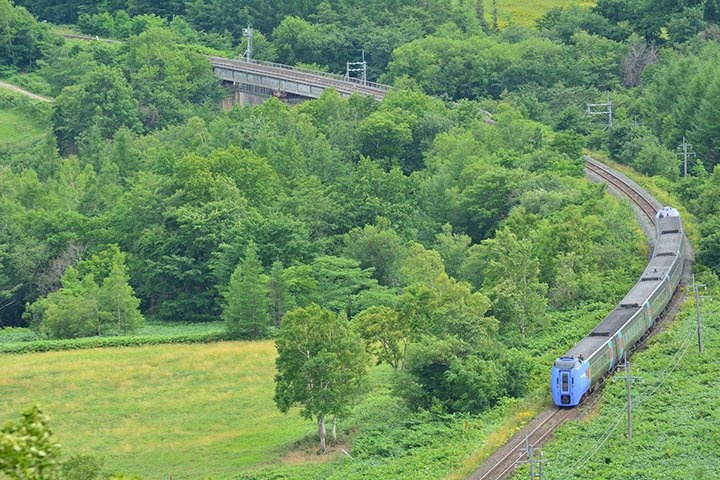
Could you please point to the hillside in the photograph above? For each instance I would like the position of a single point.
(186, 411)
(409, 268)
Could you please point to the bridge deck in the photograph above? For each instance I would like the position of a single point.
(292, 80)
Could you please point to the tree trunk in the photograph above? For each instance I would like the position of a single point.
(480, 12)
(494, 15)
(334, 430)
(321, 431)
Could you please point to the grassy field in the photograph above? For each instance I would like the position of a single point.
(15, 127)
(524, 12)
(179, 411)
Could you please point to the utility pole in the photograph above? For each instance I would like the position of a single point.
(535, 462)
(592, 109)
(687, 152)
(698, 297)
(629, 400)
(248, 33)
(357, 67)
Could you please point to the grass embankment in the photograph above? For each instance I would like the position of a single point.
(15, 127)
(658, 187)
(25, 340)
(22, 120)
(180, 411)
(676, 413)
(523, 12)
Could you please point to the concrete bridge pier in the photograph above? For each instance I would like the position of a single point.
(241, 94)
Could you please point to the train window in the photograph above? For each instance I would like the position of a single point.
(564, 381)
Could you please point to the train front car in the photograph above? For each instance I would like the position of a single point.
(667, 220)
(592, 357)
(569, 381)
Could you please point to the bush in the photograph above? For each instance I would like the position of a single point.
(82, 467)
(108, 342)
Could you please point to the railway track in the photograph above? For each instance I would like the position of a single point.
(321, 79)
(647, 204)
(532, 435)
(503, 462)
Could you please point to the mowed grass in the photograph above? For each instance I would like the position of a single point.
(15, 127)
(525, 12)
(160, 412)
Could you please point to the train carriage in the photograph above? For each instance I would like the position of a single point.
(574, 374)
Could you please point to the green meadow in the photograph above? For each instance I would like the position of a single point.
(16, 127)
(166, 411)
(524, 12)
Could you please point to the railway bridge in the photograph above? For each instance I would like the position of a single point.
(255, 80)
(264, 79)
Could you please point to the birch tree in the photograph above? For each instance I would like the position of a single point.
(321, 365)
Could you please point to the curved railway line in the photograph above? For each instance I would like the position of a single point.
(503, 462)
(648, 205)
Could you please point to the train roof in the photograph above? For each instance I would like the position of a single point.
(658, 267)
(668, 244)
(612, 323)
(669, 224)
(667, 212)
(586, 347)
(642, 290)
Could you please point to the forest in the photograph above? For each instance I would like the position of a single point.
(458, 253)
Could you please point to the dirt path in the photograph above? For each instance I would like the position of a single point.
(17, 89)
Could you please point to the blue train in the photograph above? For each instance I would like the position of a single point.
(575, 373)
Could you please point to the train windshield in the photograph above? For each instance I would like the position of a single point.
(564, 377)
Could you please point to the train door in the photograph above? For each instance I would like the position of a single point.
(565, 385)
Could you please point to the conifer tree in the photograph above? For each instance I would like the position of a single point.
(246, 309)
(119, 307)
(480, 13)
(277, 292)
(707, 124)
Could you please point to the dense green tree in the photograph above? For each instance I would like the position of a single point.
(453, 248)
(301, 285)
(70, 312)
(386, 335)
(486, 200)
(246, 309)
(511, 279)
(378, 247)
(94, 297)
(706, 126)
(321, 365)
(420, 265)
(166, 81)
(21, 36)
(103, 98)
(28, 450)
(277, 293)
(339, 280)
(371, 192)
(384, 136)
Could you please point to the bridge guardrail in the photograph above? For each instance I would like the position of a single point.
(332, 76)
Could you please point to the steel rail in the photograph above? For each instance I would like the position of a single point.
(636, 195)
(502, 467)
(508, 462)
